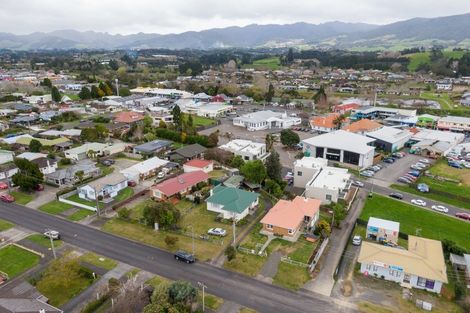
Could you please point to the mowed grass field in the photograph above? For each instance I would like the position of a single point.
(424, 57)
(14, 260)
(273, 63)
(413, 219)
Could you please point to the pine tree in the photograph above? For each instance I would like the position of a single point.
(56, 97)
(84, 94)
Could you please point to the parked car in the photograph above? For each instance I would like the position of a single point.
(425, 161)
(161, 175)
(184, 256)
(389, 160)
(414, 173)
(375, 168)
(454, 165)
(357, 240)
(415, 167)
(418, 202)
(107, 162)
(357, 183)
(55, 235)
(3, 185)
(404, 180)
(440, 208)
(410, 177)
(217, 232)
(131, 183)
(423, 187)
(396, 195)
(367, 173)
(7, 198)
(39, 187)
(464, 216)
(422, 164)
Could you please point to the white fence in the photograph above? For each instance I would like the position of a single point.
(318, 255)
(286, 259)
(63, 199)
(251, 251)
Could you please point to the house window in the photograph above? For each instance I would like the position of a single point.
(328, 197)
(421, 282)
(290, 231)
(407, 278)
(299, 173)
(269, 226)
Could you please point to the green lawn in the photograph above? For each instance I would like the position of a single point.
(106, 170)
(4, 225)
(76, 198)
(55, 207)
(14, 260)
(124, 194)
(247, 310)
(273, 63)
(441, 168)
(411, 218)
(98, 260)
(291, 276)
(217, 173)
(43, 241)
(443, 99)
(200, 120)
(21, 197)
(424, 57)
(254, 239)
(80, 214)
(247, 264)
(72, 96)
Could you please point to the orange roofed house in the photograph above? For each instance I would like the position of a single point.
(288, 218)
(363, 126)
(128, 117)
(325, 124)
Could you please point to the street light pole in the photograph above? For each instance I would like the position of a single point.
(234, 230)
(52, 243)
(192, 236)
(203, 287)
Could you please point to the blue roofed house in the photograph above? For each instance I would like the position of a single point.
(232, 202)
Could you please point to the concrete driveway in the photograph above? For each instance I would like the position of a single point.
(123, 163)
(43, 197)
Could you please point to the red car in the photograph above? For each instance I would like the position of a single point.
(39, 187)
(131, 183)
(464, 216)
(7, 198)
(3, 185)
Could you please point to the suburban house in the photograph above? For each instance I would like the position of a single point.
(325, 183)
(266, 120)
(248, 150)
(6, 156)
(152, 148)
(232, 203)
(325, 124)
(181, 184)
(8, 170)
(422, 266)
(345, 107)
(363, 126)
(198, 165)
(444, 85)
(382, 230)
(107, 187)
(189, 152)
(128, 117)
(144, 169)
(343, 147)
(66, 176)
(390, 139)
(454, 123)
(46, 165)
(289, 218)
(93, 149)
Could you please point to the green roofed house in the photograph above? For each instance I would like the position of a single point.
(232, 202)
(427, 120)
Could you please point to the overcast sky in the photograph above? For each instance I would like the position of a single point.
(174, 16)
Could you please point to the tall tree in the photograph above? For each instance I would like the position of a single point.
(269, 142)
(177, 117)
(35, 145)
(290, 55)
(46, 82)
(163, 213)
(28, 176)
(55, 94)
(289, 137)
(339, 120)
(273, 166)
(84, 94)
(254, 171)
(270, 94)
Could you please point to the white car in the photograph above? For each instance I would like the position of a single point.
(357, 240)
(217, 232)
(425, 161)
(418, 202)
(52, 234)
(357, 183)
(161, 175)
(440, 208)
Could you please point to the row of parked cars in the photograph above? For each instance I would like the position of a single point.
(370, 172)
(458, 161)
(413, 174)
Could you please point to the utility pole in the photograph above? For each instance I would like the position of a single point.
(192, 236)
(234, 230)
(52, 243)
(97, 204)
(203, 287)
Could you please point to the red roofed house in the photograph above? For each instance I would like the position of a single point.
(325, 124)
(288, 218)
(198, 165)
(181, 184)
(345, 108)
(128, 117)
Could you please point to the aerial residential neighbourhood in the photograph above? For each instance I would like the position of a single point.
(161, 157)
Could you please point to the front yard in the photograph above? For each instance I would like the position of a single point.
(4, 225)
(413, 219)
(43, 241)
(22, 197)
(15, 260)
(194, 218)
(98, 260)
(55, 207)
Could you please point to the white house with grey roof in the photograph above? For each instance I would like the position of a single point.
(342, 147)
(107, 187)
(248, 150)
(266, 120)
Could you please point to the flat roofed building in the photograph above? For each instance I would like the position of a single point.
(390, 139)
(248, 150)
(343, 147)
(266, 120)
(454, 123)
(382, 230)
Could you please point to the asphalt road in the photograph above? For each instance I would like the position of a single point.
(407, 197)
(226, 284)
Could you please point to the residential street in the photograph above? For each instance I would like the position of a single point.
(225, 284)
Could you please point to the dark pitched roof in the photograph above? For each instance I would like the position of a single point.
(42, 162)
(153, 146)
(191, 150)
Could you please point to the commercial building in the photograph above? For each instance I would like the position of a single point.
(266, 120)
(390, 139)
(247, 149)
(427, 121)
(380, 112)
(422, 266)
(342, 147)
(454, 123)
(382, 230)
